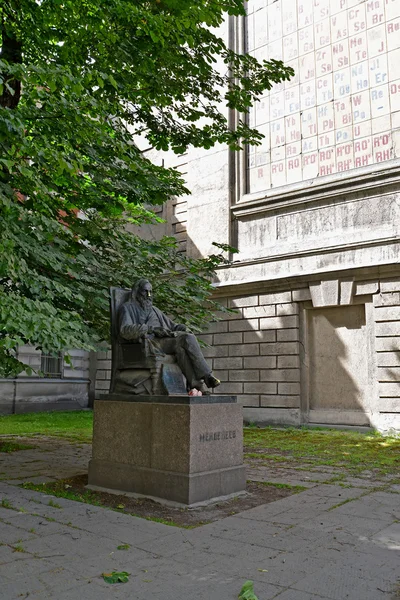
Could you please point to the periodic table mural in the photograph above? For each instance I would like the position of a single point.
(341, 110)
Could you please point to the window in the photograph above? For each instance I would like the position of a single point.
(51, 366)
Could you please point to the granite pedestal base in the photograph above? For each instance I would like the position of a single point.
(178, 449)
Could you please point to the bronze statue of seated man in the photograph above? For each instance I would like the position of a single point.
(140, 319)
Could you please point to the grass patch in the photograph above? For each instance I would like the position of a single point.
(73, 425)
(74, 488)
(7, 446)
(353, 451)
(284, 486)
(58, 489)
(7, 504)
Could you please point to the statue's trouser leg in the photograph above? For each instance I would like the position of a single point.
(188, 355)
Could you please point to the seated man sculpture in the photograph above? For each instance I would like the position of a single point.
(139, 319)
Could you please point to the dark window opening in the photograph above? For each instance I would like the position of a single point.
(51, 366)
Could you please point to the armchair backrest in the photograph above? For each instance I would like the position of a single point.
(125, 355)
(118, 296)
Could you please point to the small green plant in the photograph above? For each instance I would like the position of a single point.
(123, 547)
(18, 548)
(247, 591)
(7, 504)
(54, 504)
(61, 490)
(116, 577)
(32, 530)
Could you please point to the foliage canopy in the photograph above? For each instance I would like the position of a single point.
(79, 79)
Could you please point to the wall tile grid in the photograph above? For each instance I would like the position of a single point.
(179, 222)
(79, 367)
(103, 373)
(387, 344)
(341, 110)
(255, 351)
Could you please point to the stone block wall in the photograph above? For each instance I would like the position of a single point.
(103, 373)
(387, 344)
(261, 353)
(30, 393)
(255, 351)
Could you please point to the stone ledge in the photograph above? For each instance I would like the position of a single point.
(176, 399)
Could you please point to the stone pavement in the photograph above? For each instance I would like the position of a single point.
(328, 542)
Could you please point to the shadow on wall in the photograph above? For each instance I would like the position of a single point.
(340, 375)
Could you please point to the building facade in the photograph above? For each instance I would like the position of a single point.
(63, 386)
(315, 215)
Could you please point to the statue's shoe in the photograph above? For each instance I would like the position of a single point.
(211, 381)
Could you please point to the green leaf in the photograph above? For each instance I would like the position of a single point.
(247, 591)
(71, 179)
(116, 577)
(113, 82)
(123, 547)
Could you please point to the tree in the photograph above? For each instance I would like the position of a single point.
(79, 79)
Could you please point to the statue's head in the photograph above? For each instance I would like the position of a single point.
(142, 292)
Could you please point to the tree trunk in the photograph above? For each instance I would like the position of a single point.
(11, 51)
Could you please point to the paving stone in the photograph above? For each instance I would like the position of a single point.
(231, 548)
(349, 523)
(115, 560)
(131, 530)
(87, 591)
(206, 584)
(270, 536)
(27, 565)
(169, 545)
(22, 587)
(389, 537)
(72, 544)
(36, 524)
(256, 474)
(260, 570)
(336, 491)
(339, 582)
(308, 546)
(7, 555)
(9, 534)
(297, 595)
(371, 505)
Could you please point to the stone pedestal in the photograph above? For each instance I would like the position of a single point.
(177, 449)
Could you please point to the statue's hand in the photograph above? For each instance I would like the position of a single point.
(161, 332)
(180, 328)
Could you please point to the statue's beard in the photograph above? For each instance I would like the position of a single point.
(145, 303)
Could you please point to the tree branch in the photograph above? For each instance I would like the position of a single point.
(11, 51)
